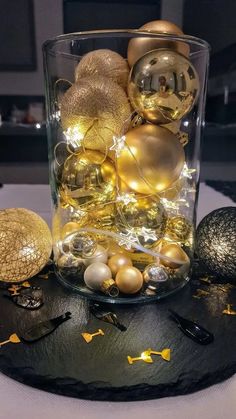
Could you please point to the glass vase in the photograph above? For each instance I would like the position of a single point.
(125, 112)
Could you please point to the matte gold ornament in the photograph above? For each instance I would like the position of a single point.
(174, 251)
(152, 159)
(129, 280)
(26, 244)
(139, 46)
(69, 228)
(96, 274)
(117, 262)
(88, 180)
(98, 109)
(106, 63)
(146, 214)
(163, 86)
(178, 228)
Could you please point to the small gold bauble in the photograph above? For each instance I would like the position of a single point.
(26, 244)
(139, 46)
(106, 63)
(114, 248)
(88, 180)
(69, 228)
(152, 159)
(174, 191)
(178, 228)
(98, 109)
(163, 86)
(174, 251)
(117, 262)
(129, 280)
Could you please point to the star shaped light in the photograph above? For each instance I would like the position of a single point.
(128, 239)
(118, 144)
(74, 137)
(186, 172)
(147, 234)
(126, 198)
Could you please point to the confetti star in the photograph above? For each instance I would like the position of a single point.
(186, 172)
(118, 144)
(128, 239)
(147, 234)
(74, 137)
(126, 198)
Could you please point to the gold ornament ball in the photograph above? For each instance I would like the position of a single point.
(152, 159)
(129, 280)
(174, 251)
(26, 244)
(88, 180)
(106, 63)
(139, 46)
(163, 86)
(178, 228)
(114, 248)
(117, 262)
(69, 228)
(98, 108)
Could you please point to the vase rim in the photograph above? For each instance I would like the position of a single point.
(48, 44)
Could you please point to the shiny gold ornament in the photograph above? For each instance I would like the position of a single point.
(99, 109)
(129, 280)
(88, 337)
(152, 159)
(163, 86)
(96, 274)
(110, 288)
(114, 248)
(88, 180)
(178, 228)
(147, 214)
(117, 262)
(69, 228)
(26, 244)
(106, 63)
(139, 46)
(174, 251)
(173, 192)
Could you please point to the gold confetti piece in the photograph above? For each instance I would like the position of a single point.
(229, 311)
(26, 284)
(145, 356)
(12, 339)
(165, 353)
(200, 293)
(89, 336)
(14, 289)
(44, 276)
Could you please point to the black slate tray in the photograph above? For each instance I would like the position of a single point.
(63, 363)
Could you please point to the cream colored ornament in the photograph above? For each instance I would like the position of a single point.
(26, 244)
(98, 109)
(96, 274)
(106, 63)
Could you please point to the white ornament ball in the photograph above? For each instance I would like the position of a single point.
(100, 255)
(95, 274)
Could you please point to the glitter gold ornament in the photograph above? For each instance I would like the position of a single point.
(117, 262)
(106, 63)
(174, 251)
(139, 46)
(163, 86)
(88, 180)
(98, 109)
(145, 213)
(152, 159)
(96, 274)
(26, 244)
(129, 280)
(178, 228)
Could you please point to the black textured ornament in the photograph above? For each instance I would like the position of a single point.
(216, 242)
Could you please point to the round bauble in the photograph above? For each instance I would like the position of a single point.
(153, 276)
(96, 274)
(106, 63)
(117, 262)
(69, 228)
(26, 244)
(88, 180)
(129, 280)
(163, 86)
(139, 46)
(82, 245)
(152, 159)
(178, 228)
(114, 248)
(100, 255)
(174, 251)
(216, 242)
(98, 109)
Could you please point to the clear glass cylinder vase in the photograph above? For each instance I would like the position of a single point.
(125, 112)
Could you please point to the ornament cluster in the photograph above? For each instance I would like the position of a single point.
(123, 220)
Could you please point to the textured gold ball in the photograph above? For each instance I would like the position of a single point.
(106, 63)
(88, 180)
(174, 251)
(117, 262)
(163, 86)
(152, 159)
(26, 244)
(139, 46)
(98, 108)
(129, 280)
(178, 228)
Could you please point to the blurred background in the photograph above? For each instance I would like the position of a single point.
(26, 24)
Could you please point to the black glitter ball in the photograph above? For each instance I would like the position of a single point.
(216, 242)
